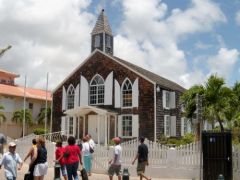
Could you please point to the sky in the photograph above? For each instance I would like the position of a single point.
(182, 40)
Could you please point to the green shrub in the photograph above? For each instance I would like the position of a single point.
(39, 131)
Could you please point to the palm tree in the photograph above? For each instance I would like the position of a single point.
(2, 116)
(18, 117)
(217, 100)
(41, 115)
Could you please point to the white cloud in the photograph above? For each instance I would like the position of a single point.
(54, 36)
(237, 18)
(223, 62)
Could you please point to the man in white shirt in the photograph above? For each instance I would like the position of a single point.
(90, 140)
(9, 161)
(115, 166)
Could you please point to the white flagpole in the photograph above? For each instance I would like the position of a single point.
(46, 106)
(51, 116)
(24, 104)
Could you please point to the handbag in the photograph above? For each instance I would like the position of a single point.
(90, 149)
(27, 176)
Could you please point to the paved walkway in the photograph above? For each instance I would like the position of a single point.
(51, 174)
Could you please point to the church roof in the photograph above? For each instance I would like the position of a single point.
(154, 77)
(102, 25)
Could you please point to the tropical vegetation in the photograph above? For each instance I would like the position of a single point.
(2, 116)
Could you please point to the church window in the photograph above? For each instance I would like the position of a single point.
(127, 125)
(167, 125)
(70, 97)
(108, 43)
(97, 41)
(97, 90)
(127, 94)
(70, 125)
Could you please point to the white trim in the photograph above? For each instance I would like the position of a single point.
(135, 93)
(117, 94)
(76, 96)
(64, 98)
(97, 50)
(84, 91)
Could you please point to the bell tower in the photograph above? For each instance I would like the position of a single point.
(102, 37)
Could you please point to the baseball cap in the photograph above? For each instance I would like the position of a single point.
(11, 144)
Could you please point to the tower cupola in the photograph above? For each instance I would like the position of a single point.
(102, 37)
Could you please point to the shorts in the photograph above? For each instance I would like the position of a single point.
(40, 169)
(141, 167)
(63, 170)
(114, 169)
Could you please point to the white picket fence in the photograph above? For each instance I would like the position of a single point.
(181, 162)
(164, 162)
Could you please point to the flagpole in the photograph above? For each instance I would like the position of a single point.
(24, 104)
(51, 116)
(46, 106)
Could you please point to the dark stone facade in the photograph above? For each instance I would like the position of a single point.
(103, 65)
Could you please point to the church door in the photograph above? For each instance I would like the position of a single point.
(93, 127)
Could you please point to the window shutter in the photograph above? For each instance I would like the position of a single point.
(172, 100)
(76, 97)
(164, 98)
(117, 94)
(63, 124)
(135, 93)
(173, 126)
(108, 89)
(64, 98)
(182, 126)
(84, 92)
(135, 126)
(119, 125)
(165, 125)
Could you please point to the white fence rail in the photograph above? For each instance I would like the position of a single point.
(236, 162)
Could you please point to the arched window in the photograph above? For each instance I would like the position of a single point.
(70, 97)
(127, 93)
(97, 90)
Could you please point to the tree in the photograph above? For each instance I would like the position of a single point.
(2, 116)
(41, 115)
(19, 115)
(216, 104)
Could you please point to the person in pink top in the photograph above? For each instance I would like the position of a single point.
(59, 157)
(72, 155)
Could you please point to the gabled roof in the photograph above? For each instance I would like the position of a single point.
(29, 92)
(149, 76)
(9, 74)
(154, 77)
(102, 25)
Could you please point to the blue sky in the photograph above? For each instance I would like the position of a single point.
(184, 41)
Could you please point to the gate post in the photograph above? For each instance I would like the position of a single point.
(171, 157)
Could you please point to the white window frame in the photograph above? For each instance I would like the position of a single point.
(122, 93)
(70, 125)
(167, 125)
(122, 125)
(70, 97)
(100, 89)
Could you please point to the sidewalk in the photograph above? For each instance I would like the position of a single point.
(50, 175)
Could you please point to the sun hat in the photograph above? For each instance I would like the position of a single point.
(116, 140)
(12, 144)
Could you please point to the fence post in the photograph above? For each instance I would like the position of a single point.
(171, 157)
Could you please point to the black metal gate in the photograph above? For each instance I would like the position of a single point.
(217, 155)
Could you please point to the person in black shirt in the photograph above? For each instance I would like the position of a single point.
(142, 156)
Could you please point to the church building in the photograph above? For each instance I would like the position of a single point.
(106, 96)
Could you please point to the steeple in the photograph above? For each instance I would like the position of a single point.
(102, 37)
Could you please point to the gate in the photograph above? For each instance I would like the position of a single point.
(217, 155)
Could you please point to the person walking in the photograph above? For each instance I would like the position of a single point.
(59, 154)
(10, 160)
(142, 157)
(39, 160)
(30, 154)
(87, 156)
(72, 155)
(2, 142)
(115, 163)
(91, 141)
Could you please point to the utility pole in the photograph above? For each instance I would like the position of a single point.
(2, 51)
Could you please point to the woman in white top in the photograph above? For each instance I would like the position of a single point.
(87, 156)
